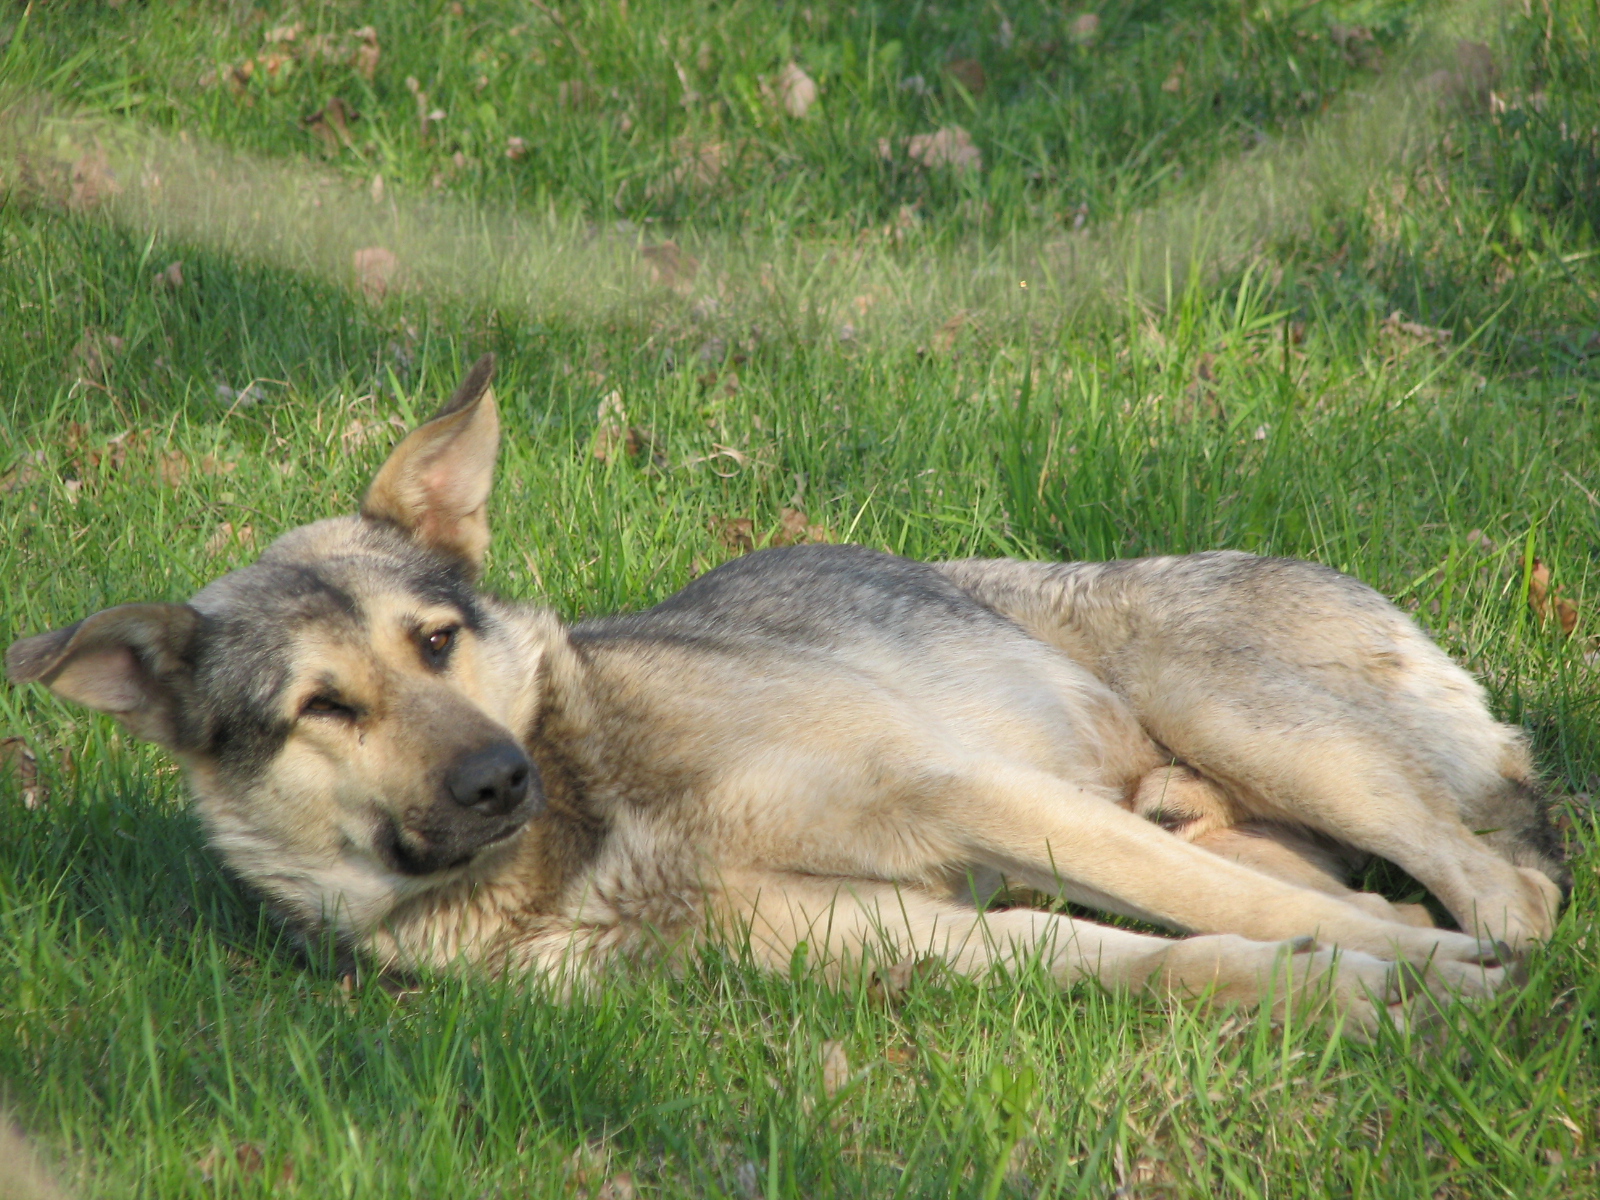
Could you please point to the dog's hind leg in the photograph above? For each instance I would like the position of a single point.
(1345, 783)
(1288, 854)
(1049, 834)
(1191, 807)
(1317, 703)
(848, 925)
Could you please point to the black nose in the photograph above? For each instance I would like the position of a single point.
(491, 781)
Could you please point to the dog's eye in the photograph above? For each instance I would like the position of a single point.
(327, 706)
(437, 644)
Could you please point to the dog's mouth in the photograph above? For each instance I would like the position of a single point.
(416, 854)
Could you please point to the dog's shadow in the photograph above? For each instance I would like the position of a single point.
(120, 872)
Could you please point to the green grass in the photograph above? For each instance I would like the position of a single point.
(159, 1038)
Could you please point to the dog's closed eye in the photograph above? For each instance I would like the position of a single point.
(327, 706)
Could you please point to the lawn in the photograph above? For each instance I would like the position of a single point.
(977, 277)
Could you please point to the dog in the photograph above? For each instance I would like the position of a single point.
(824, 749)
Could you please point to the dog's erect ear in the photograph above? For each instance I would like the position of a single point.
(132, 661)
(436, 484)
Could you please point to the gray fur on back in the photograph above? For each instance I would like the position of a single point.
(812, 597)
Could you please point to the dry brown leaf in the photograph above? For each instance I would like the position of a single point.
(616, 439)
(18, 761)
(1201, 395)
(284, 33)
(795, 529)
(93, 180)
(945, 339)
(238, 77)
(669, 266)
(1545, 600)
(1135, 1180)
(170, 279)
(736, 533)
(700, 164)
(24, 473)
(890, 982)
(611, 432)
(330, 124)
(1084, 28)
(1396, 324)
(365, 58)
(835, 1067)
(247, 1156)
(226, 536)
(112, 453)
(589, 1165)
(427, 117)
(968, 72)
(93, 353)
(359, 432)
(906, 223)
(791, 527)
(208, 1163)
(796, 91)
(516, 148)
(950, 146)
(1348, 37)
(376, 268)
(174, 468)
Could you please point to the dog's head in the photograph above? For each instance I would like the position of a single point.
(347, 706)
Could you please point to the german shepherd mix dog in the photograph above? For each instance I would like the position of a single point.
(828, 745)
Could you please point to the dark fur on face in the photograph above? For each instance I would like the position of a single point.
(253, 616)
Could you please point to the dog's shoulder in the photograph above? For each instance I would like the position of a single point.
(804, 595)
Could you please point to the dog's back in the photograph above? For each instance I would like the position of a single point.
(849, 649)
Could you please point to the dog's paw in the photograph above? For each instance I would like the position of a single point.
(1336, 986)
(1534, 919)
(1358, 992)
(1422, 947)
(1520, 914)
(1469, 981)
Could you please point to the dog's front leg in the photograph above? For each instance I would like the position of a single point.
(849, 925)
(1049, 834)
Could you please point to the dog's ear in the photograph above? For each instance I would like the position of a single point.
(133, 661)
(436, 484)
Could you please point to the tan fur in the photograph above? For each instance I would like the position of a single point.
(1208, 744)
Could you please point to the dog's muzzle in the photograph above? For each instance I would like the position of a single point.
(486, 795)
